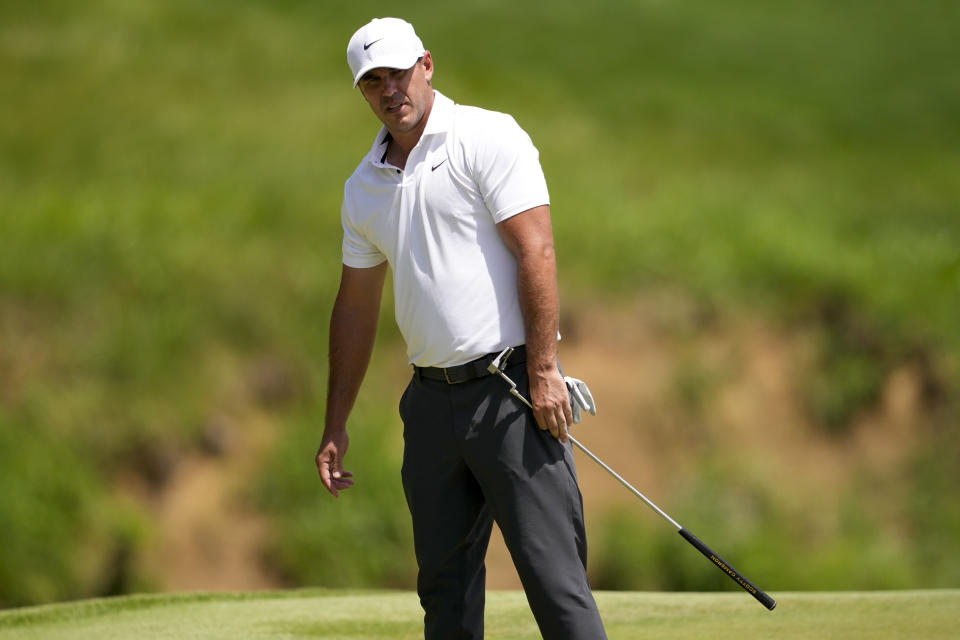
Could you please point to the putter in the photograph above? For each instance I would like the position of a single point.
(496, 367)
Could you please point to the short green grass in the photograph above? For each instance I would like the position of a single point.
(369, 615)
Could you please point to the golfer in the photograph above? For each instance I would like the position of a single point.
(453, 199)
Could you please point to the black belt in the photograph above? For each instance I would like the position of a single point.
(469, 370)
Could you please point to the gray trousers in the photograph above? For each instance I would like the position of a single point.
(474, 455)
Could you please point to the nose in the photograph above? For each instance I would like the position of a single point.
(390, 85)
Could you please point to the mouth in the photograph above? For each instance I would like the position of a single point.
(394, 108)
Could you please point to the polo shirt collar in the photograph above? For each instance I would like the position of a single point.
(441, 115)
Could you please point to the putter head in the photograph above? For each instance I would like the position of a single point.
(494, 367)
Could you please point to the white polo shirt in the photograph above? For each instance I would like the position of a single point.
(455, 281)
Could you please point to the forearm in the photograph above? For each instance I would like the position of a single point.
(351, 345)
(540, 306)
(353, 329)
(529, 237)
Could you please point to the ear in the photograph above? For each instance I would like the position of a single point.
(427, 65)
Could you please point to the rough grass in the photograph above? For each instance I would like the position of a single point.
(367, 615)
(170, 181)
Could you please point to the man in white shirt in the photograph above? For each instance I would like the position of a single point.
(453, 199)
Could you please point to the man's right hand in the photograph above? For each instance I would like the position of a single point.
(330, 463)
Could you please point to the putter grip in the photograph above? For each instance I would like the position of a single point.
(725, 566)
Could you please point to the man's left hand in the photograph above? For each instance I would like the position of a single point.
(551, 403)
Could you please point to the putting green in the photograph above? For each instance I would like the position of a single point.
(369, 615)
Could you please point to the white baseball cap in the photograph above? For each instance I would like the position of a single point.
(383, 42)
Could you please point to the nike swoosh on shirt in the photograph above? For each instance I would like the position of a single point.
(370, 44)
(437, 166)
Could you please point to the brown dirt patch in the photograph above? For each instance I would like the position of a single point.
(670, 380)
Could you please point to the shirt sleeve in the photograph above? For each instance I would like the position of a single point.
(507, 169)
(358, 251)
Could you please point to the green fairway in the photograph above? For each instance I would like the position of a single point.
(396, 615)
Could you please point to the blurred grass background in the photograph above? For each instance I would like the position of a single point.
(170, 183)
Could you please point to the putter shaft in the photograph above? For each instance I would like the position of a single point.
(619, 478)
(722, 564)
(593, 456)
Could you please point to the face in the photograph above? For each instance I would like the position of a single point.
(400, 98)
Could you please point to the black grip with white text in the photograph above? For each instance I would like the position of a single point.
(725, 566)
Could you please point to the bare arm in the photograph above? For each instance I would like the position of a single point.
(529, 236)
(353, 329)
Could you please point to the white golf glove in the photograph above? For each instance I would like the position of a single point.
(580, 398)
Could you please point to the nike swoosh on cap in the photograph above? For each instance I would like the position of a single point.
(370, 44)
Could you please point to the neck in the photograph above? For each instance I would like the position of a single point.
(403, 142)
